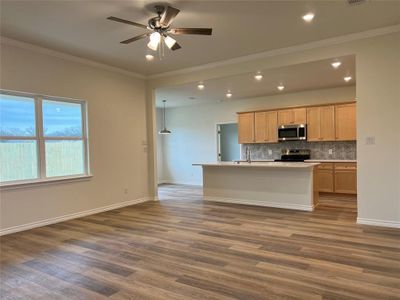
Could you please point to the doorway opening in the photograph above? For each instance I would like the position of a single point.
(228, 148)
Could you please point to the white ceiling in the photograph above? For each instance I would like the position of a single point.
(301, 77)
(239, 27)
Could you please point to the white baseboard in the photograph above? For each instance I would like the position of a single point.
(194, 183)
(72, 216)
(375, 222)
(259, 203)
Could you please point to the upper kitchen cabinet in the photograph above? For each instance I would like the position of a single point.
(266, 127)
(292, 116)
(345, 122)
(313, 124)
(321, 123)
(246, 128)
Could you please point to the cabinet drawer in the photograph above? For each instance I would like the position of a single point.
(325, 166)
(345, 166)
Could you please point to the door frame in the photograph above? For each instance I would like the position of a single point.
(218, 138)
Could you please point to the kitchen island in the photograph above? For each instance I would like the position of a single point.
(289, 185)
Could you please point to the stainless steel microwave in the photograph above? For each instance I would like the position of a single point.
(292, 132)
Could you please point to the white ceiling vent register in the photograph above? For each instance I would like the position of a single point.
(356, 2)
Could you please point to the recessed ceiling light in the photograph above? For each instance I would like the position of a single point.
(347, 78)
(258, 76)
(149, 57)
(228, 94)
(336, 64)
(308, 17)
(281, 87)
(201, 86)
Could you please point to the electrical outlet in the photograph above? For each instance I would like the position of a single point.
(330, 151)
(269, 152)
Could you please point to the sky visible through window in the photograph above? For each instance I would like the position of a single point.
(63, 143)
(17, 117)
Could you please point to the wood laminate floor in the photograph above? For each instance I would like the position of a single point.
(185, 248)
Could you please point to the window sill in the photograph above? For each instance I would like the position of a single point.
(34, 183)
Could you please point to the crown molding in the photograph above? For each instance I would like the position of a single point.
(27, 46)
(246, 58)
(287, 50)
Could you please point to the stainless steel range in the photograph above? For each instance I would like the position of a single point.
(294, 155)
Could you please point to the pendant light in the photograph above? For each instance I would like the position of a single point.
(164, 130)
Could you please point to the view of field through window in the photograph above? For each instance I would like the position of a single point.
(64, 149)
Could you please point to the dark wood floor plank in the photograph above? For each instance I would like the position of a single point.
(185, 248)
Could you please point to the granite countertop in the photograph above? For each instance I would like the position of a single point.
(261, 164)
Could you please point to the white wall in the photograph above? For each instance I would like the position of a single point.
(117, 130)
(378, 112)
(194, 140)
(160, 147)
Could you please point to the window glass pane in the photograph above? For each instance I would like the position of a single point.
(17, 116)
(64, 158)
(18, 160)
(62, 119)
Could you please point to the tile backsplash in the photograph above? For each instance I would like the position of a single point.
(319, 150)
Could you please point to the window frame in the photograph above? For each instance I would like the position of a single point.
(40, 139)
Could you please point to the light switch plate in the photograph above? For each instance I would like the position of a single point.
(269, 152)
(370, 140)
(330, 151)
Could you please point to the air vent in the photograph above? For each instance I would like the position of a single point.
(356, 2)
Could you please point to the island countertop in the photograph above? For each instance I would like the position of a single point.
(271, 164)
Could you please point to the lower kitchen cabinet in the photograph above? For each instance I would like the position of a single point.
(325, 181)
(346, 178)
(337, 178)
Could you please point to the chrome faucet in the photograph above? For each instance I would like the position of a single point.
(248, 154)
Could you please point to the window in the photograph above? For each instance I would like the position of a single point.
(41, 138)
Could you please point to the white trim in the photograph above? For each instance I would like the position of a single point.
(259, 203)
(287, 50)
(10, 185)
(375, 222)
(280, 51)
(15, 43)
(193, 183)
(40, 139)
(41, 223)
(218, 138)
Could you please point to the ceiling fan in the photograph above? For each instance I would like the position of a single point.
(160, 25)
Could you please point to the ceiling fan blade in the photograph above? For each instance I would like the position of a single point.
(138, 37)
(176, 46)
(202, 31)
(168, 16)
(126, 22)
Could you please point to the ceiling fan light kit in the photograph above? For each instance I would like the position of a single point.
(160, 25)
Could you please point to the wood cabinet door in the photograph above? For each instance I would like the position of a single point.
(260, 127)
(327, 123)
(313, 124)
(325, 180)
(285, 117)
(346, 181)
(345, 122)
(272, 126)
(246, 128)
(299, 116)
